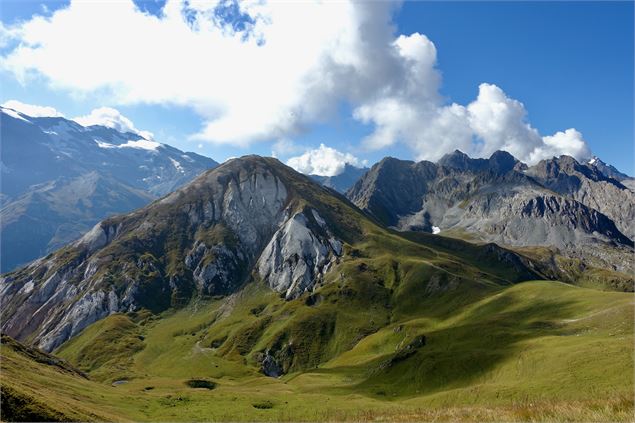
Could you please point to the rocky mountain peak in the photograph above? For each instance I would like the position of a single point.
(566, 166)
(461, 161)
(502, 162)
(251, 214)
(501, 199)
(607, 169)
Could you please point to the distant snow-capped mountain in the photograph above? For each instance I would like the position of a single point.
(40, 149)
(59, 178)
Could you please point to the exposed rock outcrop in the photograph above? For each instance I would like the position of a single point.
(297, 256)
(558, 202)
(588, 185)
(201, 240)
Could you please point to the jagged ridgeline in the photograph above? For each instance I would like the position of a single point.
(254, 293)
(564, 211)
(254, 220)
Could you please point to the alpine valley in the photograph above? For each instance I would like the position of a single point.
(467, 289)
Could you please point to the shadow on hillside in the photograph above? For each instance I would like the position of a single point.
(457, 355)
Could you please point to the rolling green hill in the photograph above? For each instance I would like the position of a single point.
(532, 351)
(395, 326)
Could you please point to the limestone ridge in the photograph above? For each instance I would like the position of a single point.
(297, 255)
(558, 202)
(203, 239)
(587, 184)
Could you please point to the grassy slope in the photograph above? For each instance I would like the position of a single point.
(492, 348)
(36, 391)
(537, 350)
(555, 264)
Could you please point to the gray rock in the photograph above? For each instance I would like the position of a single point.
(204, 239)
(558, 203)
(588, 185)
(296, 257)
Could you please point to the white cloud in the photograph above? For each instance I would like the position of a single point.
(111, 118)
(569, 142)
(493, 121)
(248, 86)
(285, 147)
(323, 161)
(285, 67)
(32, 110)
(501, 123)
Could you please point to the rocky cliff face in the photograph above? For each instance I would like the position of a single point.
(393, 188)
(201, 240)
(299, 253)
(555, 203)
(587, 184)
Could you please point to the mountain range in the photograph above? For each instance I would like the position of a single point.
(255, 288)
(247, 287)
(59, 178)
(254, 216)
(557, 203)
(249, 219)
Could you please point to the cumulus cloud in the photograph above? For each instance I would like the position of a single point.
(31, 109)
(493, 121)
(285, 66)
(501, 123)
(285, 147)
(323, 161)
(111, 118)
(258, 70)
(569, 142)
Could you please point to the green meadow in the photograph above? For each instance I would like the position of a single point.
(533, 351)
(404, 327)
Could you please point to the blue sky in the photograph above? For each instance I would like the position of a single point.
(570, 64)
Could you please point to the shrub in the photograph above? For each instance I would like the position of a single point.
(201, 383)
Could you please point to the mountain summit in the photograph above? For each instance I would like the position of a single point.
(556, 203)
(253, 270)
(251, 218)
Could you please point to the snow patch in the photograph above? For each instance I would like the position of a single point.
(101, 144)
(177, 165)
(14, 114)
(141, 144)
(436, 230)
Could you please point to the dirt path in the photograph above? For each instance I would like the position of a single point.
(597, 313)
